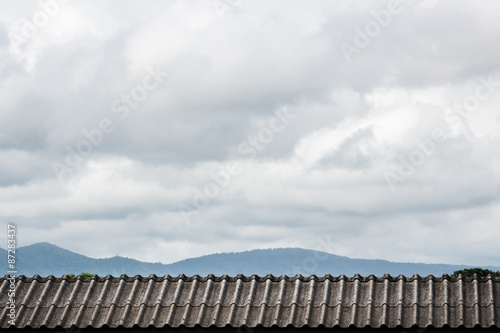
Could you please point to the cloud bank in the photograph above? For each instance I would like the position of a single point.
(176, 129)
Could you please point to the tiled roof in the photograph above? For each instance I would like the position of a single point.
(253, 301)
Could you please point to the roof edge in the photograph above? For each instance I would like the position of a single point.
(255, 277)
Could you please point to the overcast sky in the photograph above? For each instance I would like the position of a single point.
(164, 130)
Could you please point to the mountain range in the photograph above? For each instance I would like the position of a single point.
(47, 259)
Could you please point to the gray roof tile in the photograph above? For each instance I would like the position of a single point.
(251, 301)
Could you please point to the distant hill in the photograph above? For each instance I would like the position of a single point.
(47, 259)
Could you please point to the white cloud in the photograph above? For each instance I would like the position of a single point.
(323, 174)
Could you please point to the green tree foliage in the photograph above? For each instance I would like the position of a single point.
(479, 271)
(81, 274)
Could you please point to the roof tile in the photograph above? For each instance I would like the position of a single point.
(251, 301)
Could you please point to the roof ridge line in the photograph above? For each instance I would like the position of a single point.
(258, 277)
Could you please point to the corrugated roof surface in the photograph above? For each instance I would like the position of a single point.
(253, 301)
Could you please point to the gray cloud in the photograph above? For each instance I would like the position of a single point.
(322, 171)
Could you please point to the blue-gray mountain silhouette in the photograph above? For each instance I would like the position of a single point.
(46, 259)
